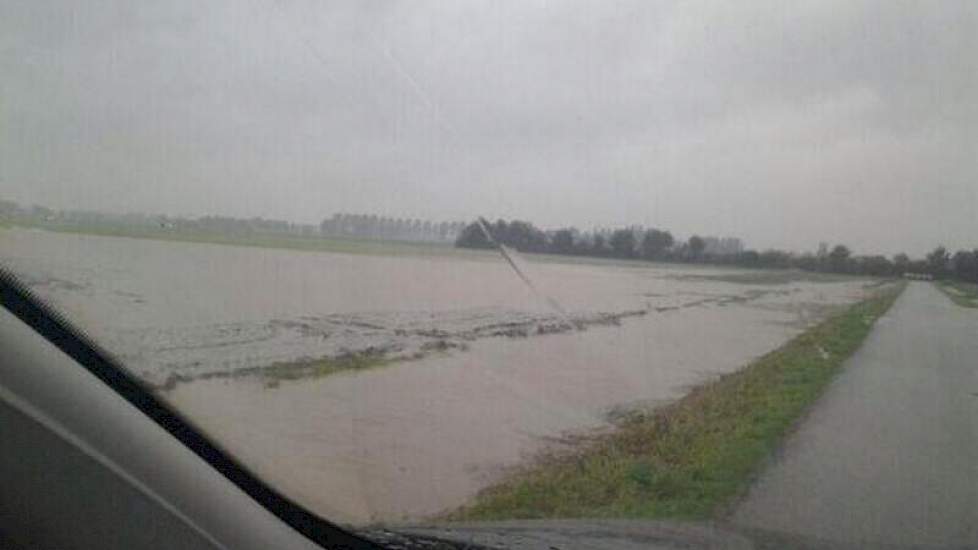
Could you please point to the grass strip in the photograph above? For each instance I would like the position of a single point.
(963, 294)
(292, 370)
(768, 277)
(345, 245)
(688, 459)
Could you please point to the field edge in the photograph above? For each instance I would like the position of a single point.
(692, 458)
(962, 294)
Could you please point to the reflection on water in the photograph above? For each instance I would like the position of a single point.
(493, 378)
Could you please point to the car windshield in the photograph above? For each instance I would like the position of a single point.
(436, 267)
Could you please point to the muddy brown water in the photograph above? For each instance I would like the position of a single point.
(414, 438)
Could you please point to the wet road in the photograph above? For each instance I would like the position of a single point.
(889, 455)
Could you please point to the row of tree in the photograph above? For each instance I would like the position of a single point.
(660, 245)
(372, 226)
(629, 243)
(214, 225)
(367, 226)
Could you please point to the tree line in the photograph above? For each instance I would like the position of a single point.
(659, 245)
(372, 226)
(367, 226)
(650, 244)
(12, 212)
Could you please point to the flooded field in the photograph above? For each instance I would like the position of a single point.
(476, 374)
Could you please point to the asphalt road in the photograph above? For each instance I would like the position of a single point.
(889, 455)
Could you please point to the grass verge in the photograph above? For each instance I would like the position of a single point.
(963, 294)
(690, 458)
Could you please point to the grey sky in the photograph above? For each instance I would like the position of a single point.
(785, 123)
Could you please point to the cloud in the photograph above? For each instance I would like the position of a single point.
(786, 124)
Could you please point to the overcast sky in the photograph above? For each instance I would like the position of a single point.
(785, 123)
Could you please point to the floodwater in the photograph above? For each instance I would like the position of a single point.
(491, 374)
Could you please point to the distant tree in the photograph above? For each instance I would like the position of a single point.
(655, 243)
(807, 262)
(582, 246)
(372, 225)
(562, 242)
(901, 263)
(525, 237)
(823, 250)
(839, 258)
(500, 230)
(696, 247)
(974, 272)
(749, 258)
(360, 224)
(937, 262)
(623, 243)
(457, 228)
(658, 244)
(472, 236)
(442, 230)
(775, 259)
(41, 213)
(8, 209)
(679, 252)
(598, 246)
(877, 266)
(965, 265)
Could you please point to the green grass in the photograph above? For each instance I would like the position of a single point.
(317, 368)
(961, 293)
(292, 242)
(768, 277)
(689, 459)
(276, 373)
(347, 245)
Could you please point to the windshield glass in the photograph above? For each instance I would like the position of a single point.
(429, 264)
